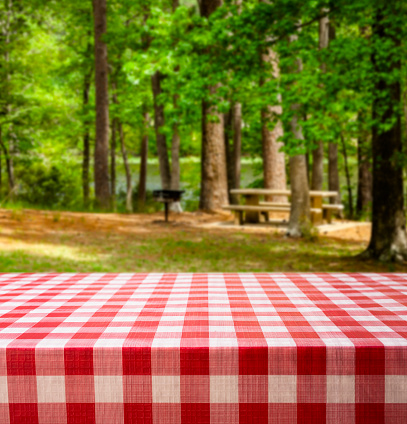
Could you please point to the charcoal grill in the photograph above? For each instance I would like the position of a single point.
(167, 197)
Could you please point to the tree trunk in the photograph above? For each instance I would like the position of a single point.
(273, 158)
(113, 163)
(318, 153)
(102, 189)
(9, 167)
(143, 165)
(300, 200)
(129, 203)
(348, 179)
(228, 134)
(388, 241)
(159, 121)
(214, 192)
(364, 200)
(86, 143)
(333, 173)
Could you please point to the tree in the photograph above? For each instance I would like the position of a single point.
(388, 241)
(101, 164)
(214, 192)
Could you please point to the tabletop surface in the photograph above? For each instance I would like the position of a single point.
(265, 191)
(211, 310)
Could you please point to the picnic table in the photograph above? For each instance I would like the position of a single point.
(253, 195)
(203, 348)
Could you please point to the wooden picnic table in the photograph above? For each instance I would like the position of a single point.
(252, 196)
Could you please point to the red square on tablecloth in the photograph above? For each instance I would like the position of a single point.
(195, 413)
(282, 360)
(253, 413)
(195, 388)
(282, 413)
(22, 389)
(78, 360)
(138, 413)
(4, 413)
(136, 360)
(369, 388)
(370, 360)
(49, 361)
(396, 361)
(52, 413)
(80, 389)
(224, 413)
(20, 361)
(311, 389)
(311, 413)
(167, 413)
(112, 413)
(80, 413)
(395, 413)
(23, 413)
(253, 360)
(371, 413)
(194, 360)
(340, 360)
(137, 389)
(340, 413)
(253, 388)
(311, 360)
(165, 361)
(224, 361)
(107, 361)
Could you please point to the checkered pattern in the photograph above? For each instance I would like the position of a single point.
(203, 348)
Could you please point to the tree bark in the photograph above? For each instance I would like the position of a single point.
(273, 158)
(214, 191)
(348, 179)
(333, 172)
(113, 163)
(159, 121)
(129, 202)
(318, 153)
(228, 135)
(364, 200)
(101, 166)
(9, 167)
(142, 185)
(233, 129)
(388, 241)
(86, 143)
(300, 200)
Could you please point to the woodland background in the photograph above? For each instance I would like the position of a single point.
(97, 96)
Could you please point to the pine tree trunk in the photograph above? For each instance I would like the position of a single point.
(113, 163)
(101, 165)
(86, 143)
(348, 177)
(214, 192)
(159, 121)
(388, 241)
(318, 153)
(129, 203)
(228, 135)
(273, 158)
(142, 185)
(333, 172)
(364, 200)
(237, 148)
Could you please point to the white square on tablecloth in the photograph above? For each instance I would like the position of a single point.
(3, 389)
(166, 389)
(396, 389)
(282, 388)
(108, 388)
(51, 389)
(224, 389)
(340, 389)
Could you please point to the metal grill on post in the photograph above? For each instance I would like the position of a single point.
(167, 197)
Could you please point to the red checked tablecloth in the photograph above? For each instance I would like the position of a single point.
(203, 348)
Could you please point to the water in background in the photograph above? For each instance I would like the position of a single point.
(190, 177)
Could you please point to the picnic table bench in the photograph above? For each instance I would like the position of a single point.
(254, 207)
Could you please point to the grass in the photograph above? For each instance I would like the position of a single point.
(34, 241)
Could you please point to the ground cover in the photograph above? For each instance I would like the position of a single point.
(41, 241)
